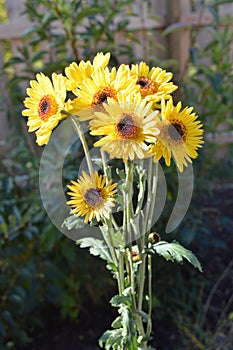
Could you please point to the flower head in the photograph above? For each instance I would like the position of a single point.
(76, 73)
(103, 84)
(154, 84)
(91, 196)
(126, 126)
(44, 105)
(180, 135)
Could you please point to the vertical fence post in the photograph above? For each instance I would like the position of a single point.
(179, 40)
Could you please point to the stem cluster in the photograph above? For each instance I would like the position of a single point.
(132, 259)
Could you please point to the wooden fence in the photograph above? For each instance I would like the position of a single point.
(182, 14)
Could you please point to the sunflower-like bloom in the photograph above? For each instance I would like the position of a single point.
(180, 135)
(91, 196)
(154, 84)
(44, 105)
(126, 126)
(103, 84)
(76, 73)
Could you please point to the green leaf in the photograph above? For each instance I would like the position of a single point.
(97, 247)
(73, 221)
(112, 339)
(86, 13)
(118, 300)
(122, 24)
(121, 173)
(175, 27)
(176, 252)
(117, 240)
(117, 323)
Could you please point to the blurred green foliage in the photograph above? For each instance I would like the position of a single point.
(207, 85)
(38, 266)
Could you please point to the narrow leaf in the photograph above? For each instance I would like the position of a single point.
(175, 27)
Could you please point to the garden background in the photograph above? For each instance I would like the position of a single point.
(54, 295)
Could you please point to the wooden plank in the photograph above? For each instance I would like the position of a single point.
(195, 18)
(13, 30)
(16, 29)
(220, 138)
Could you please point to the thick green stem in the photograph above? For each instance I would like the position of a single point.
(141, 194)
(132, 279)
(79, 130)
(128, 194)
(153, 196)
(121, 274)
(107, 173)
(141, 281)
(105, 168)
(149, 270)
(149, 195)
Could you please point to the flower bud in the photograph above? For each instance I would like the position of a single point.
(154, 237)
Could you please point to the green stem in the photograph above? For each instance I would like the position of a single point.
(132, 279)
(153, 196)
(142, 268)
(149, 195)
(141, 194)
(141, 281)
(110, 241)
(107, 173)
(121, 280)
(105, 168)
(149, 322)
(128, 216)
(79, 130)
(129, 169)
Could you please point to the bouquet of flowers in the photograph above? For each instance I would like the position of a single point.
(128, 116)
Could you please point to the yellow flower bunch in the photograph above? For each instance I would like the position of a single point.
(130, 108)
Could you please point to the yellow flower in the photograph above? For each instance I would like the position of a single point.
(154, 84)
(103, 84)
(44, 105)
(77, 73)
(180, 135)
(126, 127)
(91, 196)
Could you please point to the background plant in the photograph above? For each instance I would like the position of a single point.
(208, 83)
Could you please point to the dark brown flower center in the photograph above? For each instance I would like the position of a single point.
(126, 127)
(93, 196)
(177, 131)
(101, 96)
(147, 86)
(47, 107)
